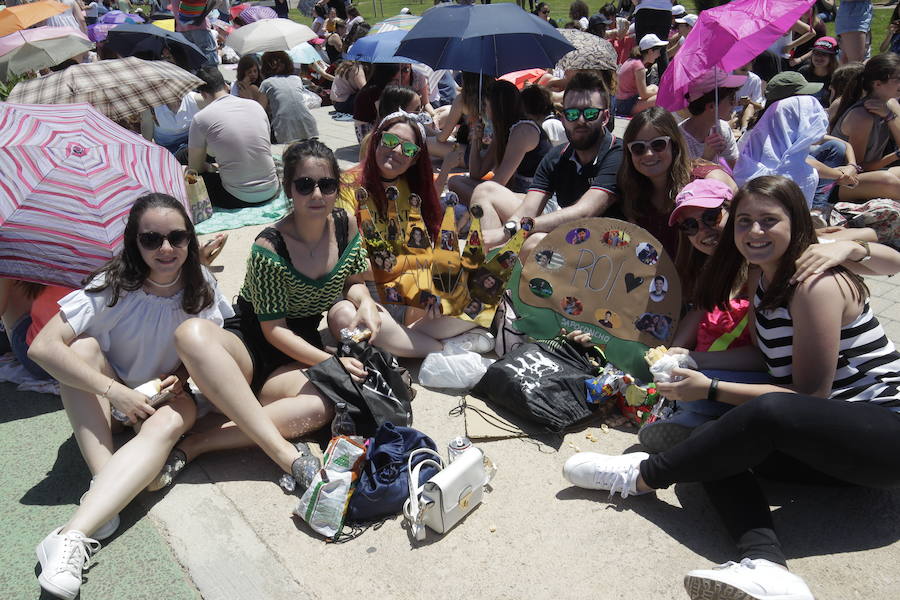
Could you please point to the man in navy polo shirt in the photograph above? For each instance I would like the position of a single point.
(581, 173)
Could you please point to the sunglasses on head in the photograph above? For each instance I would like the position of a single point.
(657, 144)
(305, 185)
(545, 12)
(710, 218)
(151, 240)
(591, 113)
(392, 140)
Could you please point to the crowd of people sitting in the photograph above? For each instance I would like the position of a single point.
(747, 189)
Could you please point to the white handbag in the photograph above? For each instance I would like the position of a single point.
(447, 497)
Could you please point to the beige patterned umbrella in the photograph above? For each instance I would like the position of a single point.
(119, 88)
(591, 52)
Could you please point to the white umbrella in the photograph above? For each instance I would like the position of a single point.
(269, 34)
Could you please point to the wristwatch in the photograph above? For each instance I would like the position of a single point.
(865, 245)
(511, 227)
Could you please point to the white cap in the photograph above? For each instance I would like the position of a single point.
(678, 10)
(651, 41)
(404, 11)
(631, 29)
(690, 20)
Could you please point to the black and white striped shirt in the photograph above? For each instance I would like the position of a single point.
(868, 364)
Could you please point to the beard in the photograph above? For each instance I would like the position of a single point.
(587, 141)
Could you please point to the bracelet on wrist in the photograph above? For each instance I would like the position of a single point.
(108, 387)
(889, 117)
(713, 394)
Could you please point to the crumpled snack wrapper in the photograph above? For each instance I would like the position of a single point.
(662, 368)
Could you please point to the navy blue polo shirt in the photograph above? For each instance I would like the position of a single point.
(562, 174)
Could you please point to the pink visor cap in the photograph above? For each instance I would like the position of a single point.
(702, 193)
(712, 79)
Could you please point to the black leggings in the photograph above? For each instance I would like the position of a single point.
(806, 438)
(655, 21)
(219, 196)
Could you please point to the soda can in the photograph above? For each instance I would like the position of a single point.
(457, 446)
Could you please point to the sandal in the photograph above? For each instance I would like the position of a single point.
(175, 463)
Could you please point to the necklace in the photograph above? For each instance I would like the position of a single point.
(165, 285)
(386, 180)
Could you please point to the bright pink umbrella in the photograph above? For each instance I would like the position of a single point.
(729, 37)
(71, 178)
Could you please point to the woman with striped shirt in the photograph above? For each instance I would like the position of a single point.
(833, 413)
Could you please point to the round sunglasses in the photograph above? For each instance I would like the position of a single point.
(305, 185)
(591, 113)
(392, 140)
(151, 240)
(657, 144)
(710, 217)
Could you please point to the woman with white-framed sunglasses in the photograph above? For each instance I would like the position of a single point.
(654, 169)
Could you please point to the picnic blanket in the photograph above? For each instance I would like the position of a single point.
(233, 218)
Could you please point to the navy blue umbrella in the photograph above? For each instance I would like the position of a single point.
(493, 39)
(148, 42)
(378, 48)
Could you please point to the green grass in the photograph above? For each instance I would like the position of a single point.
(377, 10)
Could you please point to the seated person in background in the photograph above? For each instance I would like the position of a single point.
(539, 108)
(750, 98)
(516, 148)
(867, 118)
(25, 307)
(236, 132)
(708, 136)
(580, 174)
(634, 95)
(291, 119)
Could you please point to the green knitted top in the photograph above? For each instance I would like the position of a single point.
(279, 291)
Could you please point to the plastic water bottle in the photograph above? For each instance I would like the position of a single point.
(343, 423)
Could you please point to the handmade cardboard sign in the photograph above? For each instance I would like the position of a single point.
(411, 269)
(609, 278)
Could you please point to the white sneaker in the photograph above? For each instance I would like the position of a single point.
(108, 528)
(602, 472)
(62, 558)
(749, 579)
(476, 340)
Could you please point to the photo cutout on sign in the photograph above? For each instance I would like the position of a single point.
(579, 235)
(384, 260)
(607, 318)
(656, 325)
(658, 288)
(391, 294)
(448, 240)
(549, 259)
(417, 238)
(572, 306)
(616, 238)
(473, 308)
(540, 287)
(646, 253)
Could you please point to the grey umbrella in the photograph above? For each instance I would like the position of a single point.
(591, 52)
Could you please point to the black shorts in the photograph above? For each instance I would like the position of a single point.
(265, 357)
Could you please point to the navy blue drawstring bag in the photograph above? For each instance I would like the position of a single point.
(383, 485)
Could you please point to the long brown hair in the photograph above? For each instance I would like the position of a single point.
(878, 68)
(127, 271)
(720, 275)
(507, 109)
(636, 188)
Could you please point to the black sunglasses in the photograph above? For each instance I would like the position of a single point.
(306, 185)
(591, 113)
(710, 218)
(151, 240)
(657, 144)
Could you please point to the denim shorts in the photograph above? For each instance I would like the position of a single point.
(20, 349)
(853, 15)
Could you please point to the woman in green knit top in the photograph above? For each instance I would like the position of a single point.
(296, 271)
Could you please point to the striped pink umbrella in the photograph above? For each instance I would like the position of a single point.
(257, 13)
(70, 176)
